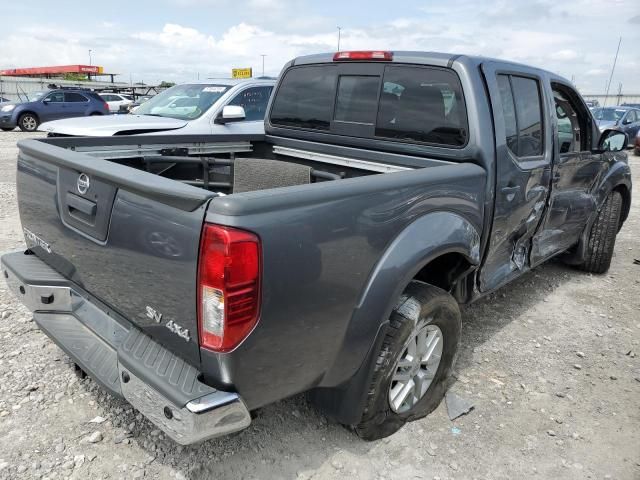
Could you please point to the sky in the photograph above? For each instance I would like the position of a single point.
(183, 40)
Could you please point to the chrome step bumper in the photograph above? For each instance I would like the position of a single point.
(121, 358)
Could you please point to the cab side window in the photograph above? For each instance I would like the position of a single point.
(254, 100)
(522, 112)
(572, 120)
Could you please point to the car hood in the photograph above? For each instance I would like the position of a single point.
(108, 125)
(602, 124)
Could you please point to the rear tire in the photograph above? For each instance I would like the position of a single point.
(421, 307)
(28, 122)
(602, 237)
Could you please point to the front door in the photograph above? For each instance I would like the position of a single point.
(575, 171)
(254, 100)
(52, 107)
(523, 170)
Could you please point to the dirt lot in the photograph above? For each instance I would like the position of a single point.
(552, 364)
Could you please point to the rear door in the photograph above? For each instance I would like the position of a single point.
(76, 104)
(523, 167)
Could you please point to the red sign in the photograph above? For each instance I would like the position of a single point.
(58, 70)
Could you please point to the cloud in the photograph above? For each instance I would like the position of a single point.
(179, 43)
(566, 54)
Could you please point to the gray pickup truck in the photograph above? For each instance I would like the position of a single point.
(201, 278)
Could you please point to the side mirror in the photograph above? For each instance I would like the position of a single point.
(626, 121)
(46, 101)
(231, 113)
(612, 141)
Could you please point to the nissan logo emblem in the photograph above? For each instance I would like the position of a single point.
(83, 183)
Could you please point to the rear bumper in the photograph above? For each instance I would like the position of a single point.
(122, 358)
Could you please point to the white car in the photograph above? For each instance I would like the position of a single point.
(211, 107)
(116, 100)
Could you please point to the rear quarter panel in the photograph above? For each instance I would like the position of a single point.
(321, 243)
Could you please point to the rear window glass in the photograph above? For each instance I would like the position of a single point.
(305, 98)
(423, 105)
(402, 103)
(357, 99)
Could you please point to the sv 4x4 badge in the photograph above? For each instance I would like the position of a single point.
(156, 316)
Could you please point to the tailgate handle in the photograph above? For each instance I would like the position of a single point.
(82, 205)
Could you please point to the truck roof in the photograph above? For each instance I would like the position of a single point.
(426, 58)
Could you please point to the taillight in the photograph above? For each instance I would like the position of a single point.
(106, 106)
(363, 55)
(228, 286)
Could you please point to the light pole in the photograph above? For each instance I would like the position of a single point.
(339, 29)
(263, 55)
(90, 57)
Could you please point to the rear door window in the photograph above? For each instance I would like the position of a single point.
(522, 112)
(305, 98)
(527, 97)
(509, 113)
(74, 97)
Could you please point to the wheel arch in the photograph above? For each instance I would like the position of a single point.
(24, 112)
(618, 180)
(625, 192)
(446, 240)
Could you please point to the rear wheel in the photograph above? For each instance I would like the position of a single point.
(415, 361)
(28, 122)
(602, 237)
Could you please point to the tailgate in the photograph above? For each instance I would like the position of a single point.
(127, 237)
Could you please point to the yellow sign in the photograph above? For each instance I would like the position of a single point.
(241, 73)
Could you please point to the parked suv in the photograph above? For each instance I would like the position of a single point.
(50, 105)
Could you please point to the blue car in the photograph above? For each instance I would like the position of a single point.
(50, 105)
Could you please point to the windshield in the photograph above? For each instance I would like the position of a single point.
(184, 102)
(608, 114)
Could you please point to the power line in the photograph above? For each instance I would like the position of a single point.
(615, 59)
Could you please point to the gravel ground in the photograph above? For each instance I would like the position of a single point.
(551, 362)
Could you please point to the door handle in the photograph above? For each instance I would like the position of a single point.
(510, 192)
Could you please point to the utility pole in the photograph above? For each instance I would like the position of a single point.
(615, 59)
(90, 57)
(339, 29)
(263, 55)
(619, 93)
